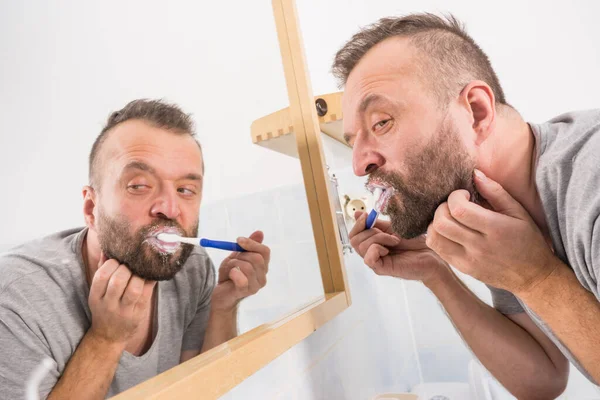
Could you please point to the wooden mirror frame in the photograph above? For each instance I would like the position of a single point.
(215, 372)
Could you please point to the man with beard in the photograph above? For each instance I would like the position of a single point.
(468, 183)
(111, 304)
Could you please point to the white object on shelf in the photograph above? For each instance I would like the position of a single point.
(396, 396)
(443, 391)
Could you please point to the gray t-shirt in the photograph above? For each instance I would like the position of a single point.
(568, 180)
(44, 313)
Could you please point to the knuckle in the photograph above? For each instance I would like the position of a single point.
(430, 241)
(262, 280)
(458, 211)
(135, 291)
(440, 225)
(118, 281)
(102, 275)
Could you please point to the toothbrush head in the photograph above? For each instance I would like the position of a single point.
(169, 237)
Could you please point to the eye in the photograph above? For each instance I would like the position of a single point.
(186, 191)
(137, 188)
(381, 124)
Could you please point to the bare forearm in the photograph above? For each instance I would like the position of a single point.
(221, 327)
(509, 352)
(572, 313)
(90, 370)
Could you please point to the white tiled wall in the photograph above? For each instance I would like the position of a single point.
(393, 337)
(282, 214)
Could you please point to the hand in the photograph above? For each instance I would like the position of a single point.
(387, 254)
(119, 301)
(502, 247)
(242, 273)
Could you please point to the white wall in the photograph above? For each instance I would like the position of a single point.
(64, 67)
(547, 57)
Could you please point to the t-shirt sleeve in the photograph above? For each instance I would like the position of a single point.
(193, 337)
(23, 348)
(505, 302)
(595, 254)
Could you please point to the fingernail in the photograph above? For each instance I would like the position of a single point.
(480, 175)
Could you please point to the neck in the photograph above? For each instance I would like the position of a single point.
(91, 254)
(508, 157)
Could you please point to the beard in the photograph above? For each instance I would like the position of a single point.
(132, 248)
(433, 173)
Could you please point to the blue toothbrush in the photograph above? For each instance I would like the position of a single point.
(372, 217)
(216, 244)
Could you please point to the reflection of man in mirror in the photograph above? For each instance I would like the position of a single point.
(469, 183)
(111, 304)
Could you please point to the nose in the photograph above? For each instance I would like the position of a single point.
(166, 205)
(365, 158)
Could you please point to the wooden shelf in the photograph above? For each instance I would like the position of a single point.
(275, 131)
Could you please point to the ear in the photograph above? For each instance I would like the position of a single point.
(479, 100)
(89, 206)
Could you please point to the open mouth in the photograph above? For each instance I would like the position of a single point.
(159, 245)
(386, 193)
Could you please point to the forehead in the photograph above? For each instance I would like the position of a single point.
(390, 67)
(139, 140)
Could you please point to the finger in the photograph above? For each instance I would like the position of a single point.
(144, 301)
(444, 247)
(361, 237)
(500, 200)
(257, 236)
(444, 224)
(133, 291)
(102, 259)
(248, 270)
(381, 238)
(256, 247)
(256, 259)
(117, 284)
(373, 257)
(468, 213)
(101, 278)
(359, 225)
(240, 281)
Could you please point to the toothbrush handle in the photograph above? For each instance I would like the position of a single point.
(371, 219)
(217, 244)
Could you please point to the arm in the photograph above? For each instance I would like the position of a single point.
(90, 370)
(571, 311)
(221, 327)
(511, 347)
(240, 275)
(118, 301)
(514, 350)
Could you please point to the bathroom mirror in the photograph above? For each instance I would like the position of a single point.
(75, 65)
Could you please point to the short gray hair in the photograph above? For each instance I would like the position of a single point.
(156, 112)
(450, 57)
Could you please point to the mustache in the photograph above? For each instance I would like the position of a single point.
(150, 229)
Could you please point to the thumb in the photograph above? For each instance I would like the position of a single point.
(500, 200)
(257, 236)
(102, 259)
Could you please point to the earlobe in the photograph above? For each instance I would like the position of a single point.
(89, 206)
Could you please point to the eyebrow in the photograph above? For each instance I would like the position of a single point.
(364, 105)
(146, 168)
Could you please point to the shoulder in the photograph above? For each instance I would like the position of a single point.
(40, 260)
(198, 270)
